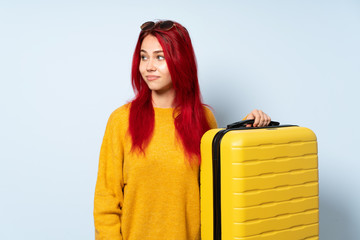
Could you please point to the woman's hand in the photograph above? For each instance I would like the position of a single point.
(261, 119)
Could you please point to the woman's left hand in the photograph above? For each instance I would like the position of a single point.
(261, 119)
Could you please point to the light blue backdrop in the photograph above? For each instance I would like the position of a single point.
(65, 66)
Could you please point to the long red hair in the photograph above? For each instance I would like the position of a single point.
(190, 120)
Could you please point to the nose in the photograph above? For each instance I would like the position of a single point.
(150, 65)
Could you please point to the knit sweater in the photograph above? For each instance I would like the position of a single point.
(151, 197)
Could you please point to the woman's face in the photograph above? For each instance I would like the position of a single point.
(153, 67)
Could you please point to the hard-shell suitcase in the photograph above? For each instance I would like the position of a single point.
(259, 183)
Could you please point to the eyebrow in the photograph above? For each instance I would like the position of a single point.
(157, 51)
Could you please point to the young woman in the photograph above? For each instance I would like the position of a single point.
(148, 177)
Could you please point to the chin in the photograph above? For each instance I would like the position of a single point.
(154, 87)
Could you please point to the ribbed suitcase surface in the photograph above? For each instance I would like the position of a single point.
(268, 184)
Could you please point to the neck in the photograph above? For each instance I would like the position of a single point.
(163, 99)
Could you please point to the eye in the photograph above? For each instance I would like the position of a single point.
(143, 57)
(160, 57)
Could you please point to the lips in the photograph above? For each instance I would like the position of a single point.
(152, 77)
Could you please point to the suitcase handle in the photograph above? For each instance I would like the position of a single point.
(248, 121)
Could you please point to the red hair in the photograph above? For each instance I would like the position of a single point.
(190, 119)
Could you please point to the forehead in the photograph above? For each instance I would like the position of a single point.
(150, 44)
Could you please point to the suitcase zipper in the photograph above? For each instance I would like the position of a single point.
(216, 183)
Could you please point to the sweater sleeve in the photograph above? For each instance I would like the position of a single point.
(108, 198)
(211, 118)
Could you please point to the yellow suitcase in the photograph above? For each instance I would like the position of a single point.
(259, 183)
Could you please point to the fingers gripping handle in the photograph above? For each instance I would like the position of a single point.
(248, 121)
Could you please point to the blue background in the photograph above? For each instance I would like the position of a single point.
(65, 66)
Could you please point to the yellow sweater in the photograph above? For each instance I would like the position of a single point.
(146, 198)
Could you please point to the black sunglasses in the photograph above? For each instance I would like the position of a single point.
(163, 25)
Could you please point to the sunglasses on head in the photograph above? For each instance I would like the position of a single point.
(163, 25)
